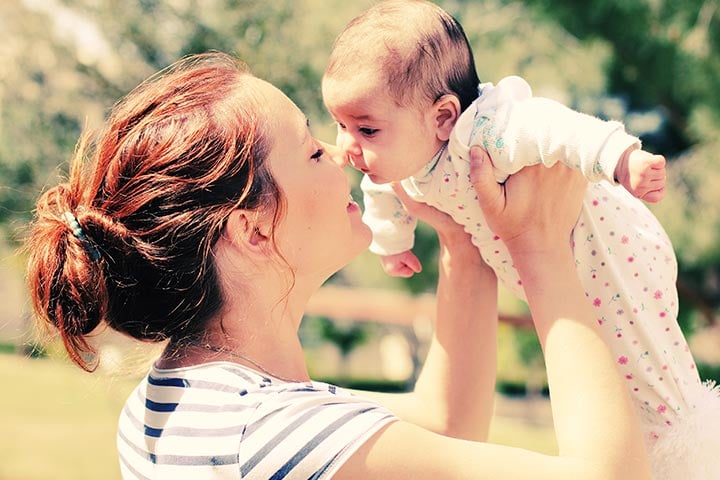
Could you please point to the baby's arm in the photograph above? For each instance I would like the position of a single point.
(520, 130)
(642, 174)
(392, 226)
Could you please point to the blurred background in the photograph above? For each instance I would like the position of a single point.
(653, 64)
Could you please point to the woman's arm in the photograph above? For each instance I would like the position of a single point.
(598, 433)
(455, 390)
(591, 408)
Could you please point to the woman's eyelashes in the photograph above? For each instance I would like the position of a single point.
(317, 155)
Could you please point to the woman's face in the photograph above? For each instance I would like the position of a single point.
(322, 229)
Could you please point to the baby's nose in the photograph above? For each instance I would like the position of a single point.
(349, 145)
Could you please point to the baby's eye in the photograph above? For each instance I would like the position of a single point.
(342, 127)
(369, 132)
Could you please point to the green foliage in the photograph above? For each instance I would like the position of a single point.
(345, 335)
(372, 385)
(426, 248)
(528, 346)
(654, 56)
(7, 348)
(692, 219)
(664, 57)
(709, 372)
(664, 53)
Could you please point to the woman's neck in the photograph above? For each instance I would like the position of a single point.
(258, 330)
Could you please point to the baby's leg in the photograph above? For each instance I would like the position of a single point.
(628, 268)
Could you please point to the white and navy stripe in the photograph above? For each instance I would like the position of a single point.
(223, 421)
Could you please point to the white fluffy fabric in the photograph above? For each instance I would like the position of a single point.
(689, 449)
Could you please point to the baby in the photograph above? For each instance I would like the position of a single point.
(402, 86)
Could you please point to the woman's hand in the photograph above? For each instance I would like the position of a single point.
(535, 208)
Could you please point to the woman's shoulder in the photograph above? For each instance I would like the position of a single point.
(262, 424)
(220, 378)
(222, 382)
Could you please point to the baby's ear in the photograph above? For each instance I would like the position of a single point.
(446, 111)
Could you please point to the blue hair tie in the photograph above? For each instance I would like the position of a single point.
(77, 231)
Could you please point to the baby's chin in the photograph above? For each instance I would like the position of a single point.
(376, 179)
(379, 180)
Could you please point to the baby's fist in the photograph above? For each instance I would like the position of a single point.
(642, 174)
(404, 264)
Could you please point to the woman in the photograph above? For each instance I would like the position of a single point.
(207, 217)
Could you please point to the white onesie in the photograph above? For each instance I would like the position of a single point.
(624, 258)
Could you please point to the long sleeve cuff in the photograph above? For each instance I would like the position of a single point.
(614, 147)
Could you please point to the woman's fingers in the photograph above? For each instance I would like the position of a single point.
(536, 201)
(491, 195)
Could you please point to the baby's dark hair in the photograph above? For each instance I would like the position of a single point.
(151, 197)
(422, 50)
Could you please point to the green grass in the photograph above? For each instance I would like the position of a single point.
(59, 422)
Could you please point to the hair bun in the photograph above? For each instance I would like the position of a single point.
(66, 284)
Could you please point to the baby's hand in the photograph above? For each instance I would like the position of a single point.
(642, 174)
(404, 264)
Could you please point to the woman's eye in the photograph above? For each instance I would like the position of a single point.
(368, 131)
(317, 155)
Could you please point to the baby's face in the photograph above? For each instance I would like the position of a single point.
(386, 141)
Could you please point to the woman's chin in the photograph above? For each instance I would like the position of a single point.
(366, 240)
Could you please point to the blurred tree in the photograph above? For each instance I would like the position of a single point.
(665, 58)
(64, 63)
(530, 353)
(653, 64)
(664, 54)
(345, 335)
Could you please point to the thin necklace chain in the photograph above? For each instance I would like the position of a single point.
(215, 349)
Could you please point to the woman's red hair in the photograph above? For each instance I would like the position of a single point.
(151, 194)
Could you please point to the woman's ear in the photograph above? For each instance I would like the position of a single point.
(245, 229)
(446, 111)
